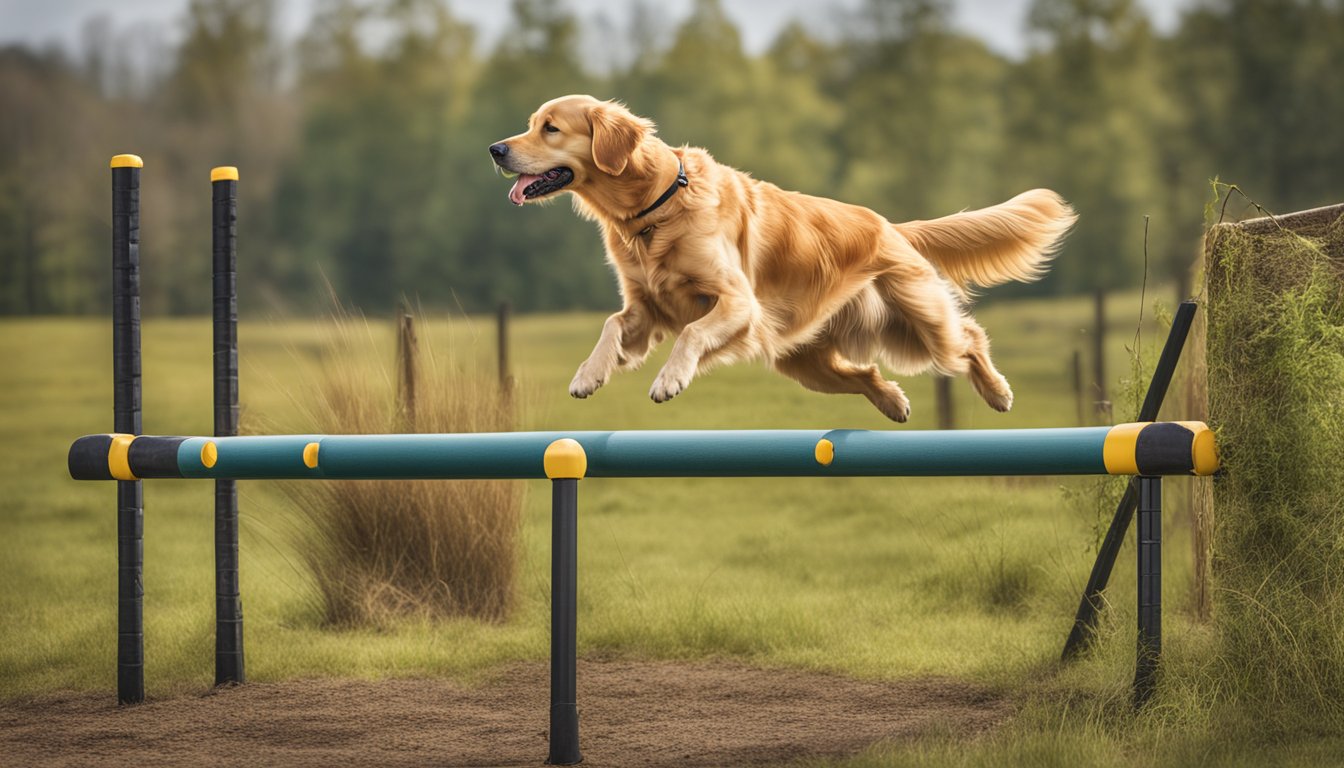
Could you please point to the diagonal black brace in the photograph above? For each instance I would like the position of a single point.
(1084, 624)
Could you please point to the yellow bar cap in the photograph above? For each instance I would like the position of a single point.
(127, 161)
(224, 173)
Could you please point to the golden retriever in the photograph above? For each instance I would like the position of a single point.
(739, 268)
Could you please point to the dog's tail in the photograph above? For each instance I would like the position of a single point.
(1009, 241)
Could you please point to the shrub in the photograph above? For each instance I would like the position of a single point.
(380, 550)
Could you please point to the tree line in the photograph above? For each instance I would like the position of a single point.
(362, 145)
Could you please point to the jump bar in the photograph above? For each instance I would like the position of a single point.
(1150, 448)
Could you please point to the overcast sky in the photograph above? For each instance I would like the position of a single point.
(998, 22)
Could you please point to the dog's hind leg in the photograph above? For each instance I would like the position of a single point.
(822, 369)
(986, 379)
(927, 327)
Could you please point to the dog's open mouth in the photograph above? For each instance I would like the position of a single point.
(530, 186)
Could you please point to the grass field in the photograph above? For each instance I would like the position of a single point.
(876, 578)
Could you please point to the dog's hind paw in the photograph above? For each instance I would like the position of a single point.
(892, 402)
(1002, 402)
(996, 393)
(896, 412)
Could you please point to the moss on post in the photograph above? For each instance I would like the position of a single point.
(1276, 397)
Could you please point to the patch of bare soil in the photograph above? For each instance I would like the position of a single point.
(631, 714)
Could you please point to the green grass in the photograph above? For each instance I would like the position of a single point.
(879, 578)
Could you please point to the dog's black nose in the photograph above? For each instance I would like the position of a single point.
(499, 151)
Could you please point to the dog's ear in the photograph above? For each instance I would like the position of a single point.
(616, 133)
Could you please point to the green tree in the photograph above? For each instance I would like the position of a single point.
(220, 103)
(543, 257)
(750, 112)
(1276, 63)
(52, 195)
(1084, 111)
(371, 198)
(925, 126)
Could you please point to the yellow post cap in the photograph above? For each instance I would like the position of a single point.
(310, 455)
(224, 173)
(565, 458)
(209, 454)
(825, 452)
(127, 161)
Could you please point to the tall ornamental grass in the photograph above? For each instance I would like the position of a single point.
(384, 550)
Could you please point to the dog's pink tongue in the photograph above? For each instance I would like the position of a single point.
(524, 180)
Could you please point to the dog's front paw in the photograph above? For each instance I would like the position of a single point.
(670, 383)
(586, 382)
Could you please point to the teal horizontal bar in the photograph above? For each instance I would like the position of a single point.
(741, 453)
(1065, 451)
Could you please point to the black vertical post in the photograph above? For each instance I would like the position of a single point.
(564, 733)
(565, 464)
(1149, 588)
(228, 599)
(126, 420)
(1086, 618)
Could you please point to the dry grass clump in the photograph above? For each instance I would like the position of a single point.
(1276, 396)
(383, 550)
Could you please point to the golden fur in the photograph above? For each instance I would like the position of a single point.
(739, 268)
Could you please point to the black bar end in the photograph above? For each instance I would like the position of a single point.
(88, 458)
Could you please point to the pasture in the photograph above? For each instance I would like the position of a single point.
(960, 579)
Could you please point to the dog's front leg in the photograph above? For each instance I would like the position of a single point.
(611, 350)
(731, 316)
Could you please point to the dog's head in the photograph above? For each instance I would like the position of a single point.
(571, 143)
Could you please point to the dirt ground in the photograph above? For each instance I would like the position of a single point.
(631, 714)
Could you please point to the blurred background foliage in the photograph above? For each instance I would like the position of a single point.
(362, 144)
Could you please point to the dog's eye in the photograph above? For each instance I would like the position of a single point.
(550, 128)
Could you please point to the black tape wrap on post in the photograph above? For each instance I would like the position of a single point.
(126, 419)
(228, 597)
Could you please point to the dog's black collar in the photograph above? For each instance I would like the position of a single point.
(672, 190)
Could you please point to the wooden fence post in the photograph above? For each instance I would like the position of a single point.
(407, 344)
(502, 347)
(942, 389)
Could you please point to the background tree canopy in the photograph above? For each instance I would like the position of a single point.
(362, 145)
